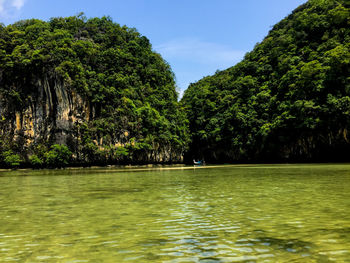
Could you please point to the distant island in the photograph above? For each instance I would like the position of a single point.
(78, 91)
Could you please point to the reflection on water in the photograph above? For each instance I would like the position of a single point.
(228, 214)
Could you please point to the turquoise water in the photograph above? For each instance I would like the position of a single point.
(269, 213)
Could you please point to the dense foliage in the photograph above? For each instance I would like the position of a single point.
(130, 88)
(289, 99)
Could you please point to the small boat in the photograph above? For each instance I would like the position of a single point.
(197, 162)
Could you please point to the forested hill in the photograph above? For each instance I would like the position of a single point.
(85, 91)
(288, 100)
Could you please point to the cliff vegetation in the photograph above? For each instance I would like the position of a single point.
(85, 91)
(288, 100)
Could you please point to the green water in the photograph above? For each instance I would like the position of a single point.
(287, 213)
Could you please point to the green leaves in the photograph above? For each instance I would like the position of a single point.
(58, 156)
(287, 100)
(126, 88)
(11, 160)
(36, 161)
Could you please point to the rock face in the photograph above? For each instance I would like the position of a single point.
(49, 115)
(91, 85)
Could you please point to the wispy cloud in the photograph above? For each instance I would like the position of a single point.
(195, 50)
(18, 4)
(2, 8)
(9, 8)
(191, 59)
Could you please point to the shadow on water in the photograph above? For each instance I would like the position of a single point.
(210, 260)
(344, 230)
(99, 193)
(288, 245)
(294, 246)
(154, 242)
(340, 233)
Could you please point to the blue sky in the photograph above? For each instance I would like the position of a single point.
(196, 37)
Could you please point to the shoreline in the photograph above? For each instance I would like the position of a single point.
(153, 167)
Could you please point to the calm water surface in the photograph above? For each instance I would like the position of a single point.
(287, 213)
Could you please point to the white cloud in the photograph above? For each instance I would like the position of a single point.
(192, 49)
(10, 8)
(2, 2)
(18, 4)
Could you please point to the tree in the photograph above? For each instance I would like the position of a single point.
(111, 67)
(58, 156)
(12, 160)
(287, 100)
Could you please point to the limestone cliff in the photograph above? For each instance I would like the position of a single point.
(91, 85)
(48, 115)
